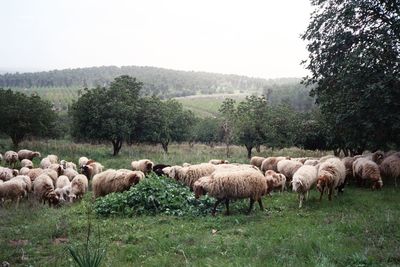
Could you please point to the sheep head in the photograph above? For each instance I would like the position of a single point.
(199, 191)
(297, 185)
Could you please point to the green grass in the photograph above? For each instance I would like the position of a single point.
(358, 228)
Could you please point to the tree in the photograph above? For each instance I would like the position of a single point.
(249, 122)
(22, 115)
(227, 112)
(206, 130)
(163, 122)
(354, 55)
(107, 114)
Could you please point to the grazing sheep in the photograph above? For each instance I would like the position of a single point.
(67, 164)
(311, 162)
(43, 189)
(365, 169)
(331, 174)
(166, 171)
(11, 158)
(302, 160)
(91, 169)
(158, 169)
(82, 161)
(225, 185)
(376, 157)
(79, 186)
(218, 161)
(303, 179)
(53, 159)
(271, 163)
(27, 154)
(70, 173)
(288, 167)
(27, 163)
(34, 173)
(25, 182)
(62, 181)
(12, 190)
(348, 164)
(257, 161)
(45, 163)
(275, 180)
(143, 165)
(390, 167)
(57, 168)
(7, 173)
(111, 181)
(177, 172)
(196, 171)
(24, 171)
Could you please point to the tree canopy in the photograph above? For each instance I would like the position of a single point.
(354, 60)
(22, 116)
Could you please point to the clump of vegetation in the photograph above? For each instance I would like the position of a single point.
(154, 195)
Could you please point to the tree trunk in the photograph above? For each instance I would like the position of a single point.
(227, 150)
(336, 152)
(165, 147)
(249, 148)
(117, 144)
(16, 139)
(258, 148)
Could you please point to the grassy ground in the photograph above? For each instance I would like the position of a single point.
(359, 228)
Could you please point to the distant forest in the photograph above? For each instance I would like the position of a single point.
(166, 83)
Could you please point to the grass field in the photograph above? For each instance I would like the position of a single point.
(358, 228)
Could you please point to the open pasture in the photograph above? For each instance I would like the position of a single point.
(358, 228)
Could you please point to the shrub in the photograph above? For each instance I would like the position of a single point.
(154, 195)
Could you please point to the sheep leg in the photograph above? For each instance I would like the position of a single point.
(330, 193)
(215, 206)
(227, 206)
(320, 196)
(301, 197)
(395, 181)
(260, 204)
(251, 205)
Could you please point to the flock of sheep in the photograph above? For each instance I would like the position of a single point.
(58, 182)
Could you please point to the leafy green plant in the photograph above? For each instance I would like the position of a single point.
(92, 254)
(154, 195)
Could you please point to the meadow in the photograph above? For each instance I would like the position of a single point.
(358, 228)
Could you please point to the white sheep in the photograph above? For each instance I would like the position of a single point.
(26, 163)
(79, 186)
(12, 190)
(43, 189)
(331, 175)
(196, 171)
(24, 171)
(53, 159)
(225, 185)
(7, 173)
(11, 158)
(25, 182)
(62, 181)
(311, 162)
(288, 167)
(114, 181)
(143, 165)
(70, 173)
(67, 164)
(218, 161)
(45, 163)
(82, 161)
(63, 188)
(303, 179)
(28, 154)
(185, 164)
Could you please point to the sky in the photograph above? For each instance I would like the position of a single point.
(257, 38)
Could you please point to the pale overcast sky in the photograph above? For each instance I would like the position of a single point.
(254, 38)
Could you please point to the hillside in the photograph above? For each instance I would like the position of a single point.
(61, 87)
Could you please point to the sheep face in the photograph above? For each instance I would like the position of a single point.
(86, 170)
(377, 185)
(134, 179)
(297, 185)
(37, 154)
(199, 191)
(53, 199)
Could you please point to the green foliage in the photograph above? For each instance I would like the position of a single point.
(22, 116)
(154, 195)
(353, 59)
(107, 114)
(206, 131)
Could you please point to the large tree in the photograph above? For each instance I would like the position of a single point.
(354, 61)
(107, 114)
(22, 115)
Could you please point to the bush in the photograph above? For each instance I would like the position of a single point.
(154, 195)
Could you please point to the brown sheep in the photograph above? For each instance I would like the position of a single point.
(28, 154)
(331, 174)
(111, 181)
(271, 163)
(79, 186)
(91, 168)
(12, 190)
(11, 158)
(143, 165)
(390, 167)
(43, 188)
(257, 161)
(365, 169)
(275, 181)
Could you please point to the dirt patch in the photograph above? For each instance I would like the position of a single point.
(60, 240)
(18, 242)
